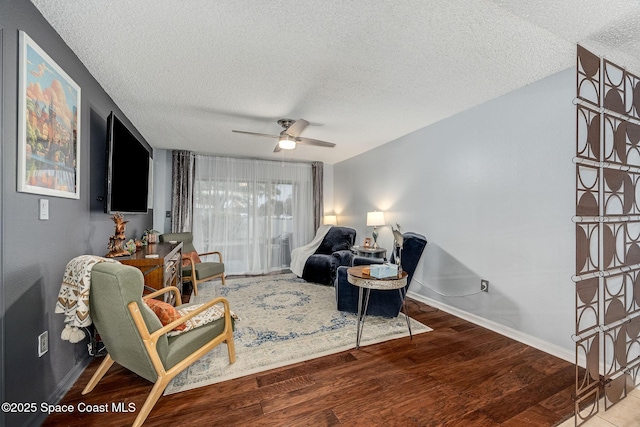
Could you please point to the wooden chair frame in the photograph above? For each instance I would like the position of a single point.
(150, 340)
(192, 277)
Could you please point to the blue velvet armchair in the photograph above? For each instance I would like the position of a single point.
(381, 303)
(333, 252)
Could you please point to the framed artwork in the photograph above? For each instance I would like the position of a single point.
(367, 242)
(48, 125)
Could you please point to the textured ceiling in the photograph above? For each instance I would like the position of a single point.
(362, 72)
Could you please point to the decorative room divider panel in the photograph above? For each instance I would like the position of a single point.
(607, 279)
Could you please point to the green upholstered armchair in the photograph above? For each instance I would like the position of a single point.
(194, 270)
(136, 339)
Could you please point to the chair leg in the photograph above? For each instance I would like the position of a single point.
(231, 348)
(222, 277)
(153, 397)
(97, 376)
(194, 285)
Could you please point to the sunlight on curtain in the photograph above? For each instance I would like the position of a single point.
(253, 211)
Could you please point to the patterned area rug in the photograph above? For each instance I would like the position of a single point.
(283, 320)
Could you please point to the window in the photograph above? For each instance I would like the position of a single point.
(253, 211)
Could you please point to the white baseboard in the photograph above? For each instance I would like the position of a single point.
(519, 336)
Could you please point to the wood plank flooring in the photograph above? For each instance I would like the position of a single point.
(459, 374)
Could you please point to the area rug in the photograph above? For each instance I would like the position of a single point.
(283, 320)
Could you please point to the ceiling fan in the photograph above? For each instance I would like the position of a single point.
(290, 136)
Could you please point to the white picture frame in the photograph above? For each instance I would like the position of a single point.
(48, 125)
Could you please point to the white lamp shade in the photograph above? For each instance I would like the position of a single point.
(330, 220)
(375, 219)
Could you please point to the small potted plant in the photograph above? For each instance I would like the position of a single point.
(150, 236)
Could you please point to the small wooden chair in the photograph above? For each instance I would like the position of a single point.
(194, 270)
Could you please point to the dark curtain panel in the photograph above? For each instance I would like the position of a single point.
(183, 175)
(318, 199)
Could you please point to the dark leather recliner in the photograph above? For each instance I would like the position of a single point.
(333, 252)
(381, 303)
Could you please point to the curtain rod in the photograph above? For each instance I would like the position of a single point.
(255, 158)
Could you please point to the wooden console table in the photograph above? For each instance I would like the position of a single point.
(161, 271)
(160, 263)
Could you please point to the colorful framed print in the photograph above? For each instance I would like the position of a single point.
(48, 125)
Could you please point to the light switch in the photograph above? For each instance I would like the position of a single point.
(44, 209)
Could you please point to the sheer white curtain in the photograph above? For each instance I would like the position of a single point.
(253, 211)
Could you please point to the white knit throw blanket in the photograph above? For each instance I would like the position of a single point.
(300, 255)
(73, 298)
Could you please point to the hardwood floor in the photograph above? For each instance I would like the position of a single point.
(459, 374)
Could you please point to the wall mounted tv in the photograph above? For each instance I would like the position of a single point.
(129, 167)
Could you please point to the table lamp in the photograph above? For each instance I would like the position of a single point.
(374, 219)
(330, 220)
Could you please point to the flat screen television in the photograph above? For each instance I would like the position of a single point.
(128, 170)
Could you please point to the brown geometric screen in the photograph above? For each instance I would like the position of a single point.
(607, 279)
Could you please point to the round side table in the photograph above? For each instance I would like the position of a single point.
(363, 281)
(369, 252)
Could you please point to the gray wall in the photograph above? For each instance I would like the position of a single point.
(2, 376)
(40, 250)
(493, 190)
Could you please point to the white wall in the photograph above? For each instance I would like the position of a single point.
(493, 190)
(327, 188)
(161, 190)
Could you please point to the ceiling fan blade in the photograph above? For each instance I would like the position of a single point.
(256, 134)
(277, 149)
(297, 127)
(309, 141)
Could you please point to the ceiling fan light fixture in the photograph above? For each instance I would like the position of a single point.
(286, 143)
(289, 138)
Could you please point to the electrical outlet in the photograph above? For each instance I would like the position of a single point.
(168, 214)
(43, 343)
(484, 285)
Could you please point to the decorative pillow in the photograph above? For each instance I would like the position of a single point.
(193, 256)
(165, 312)
(209, 315)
